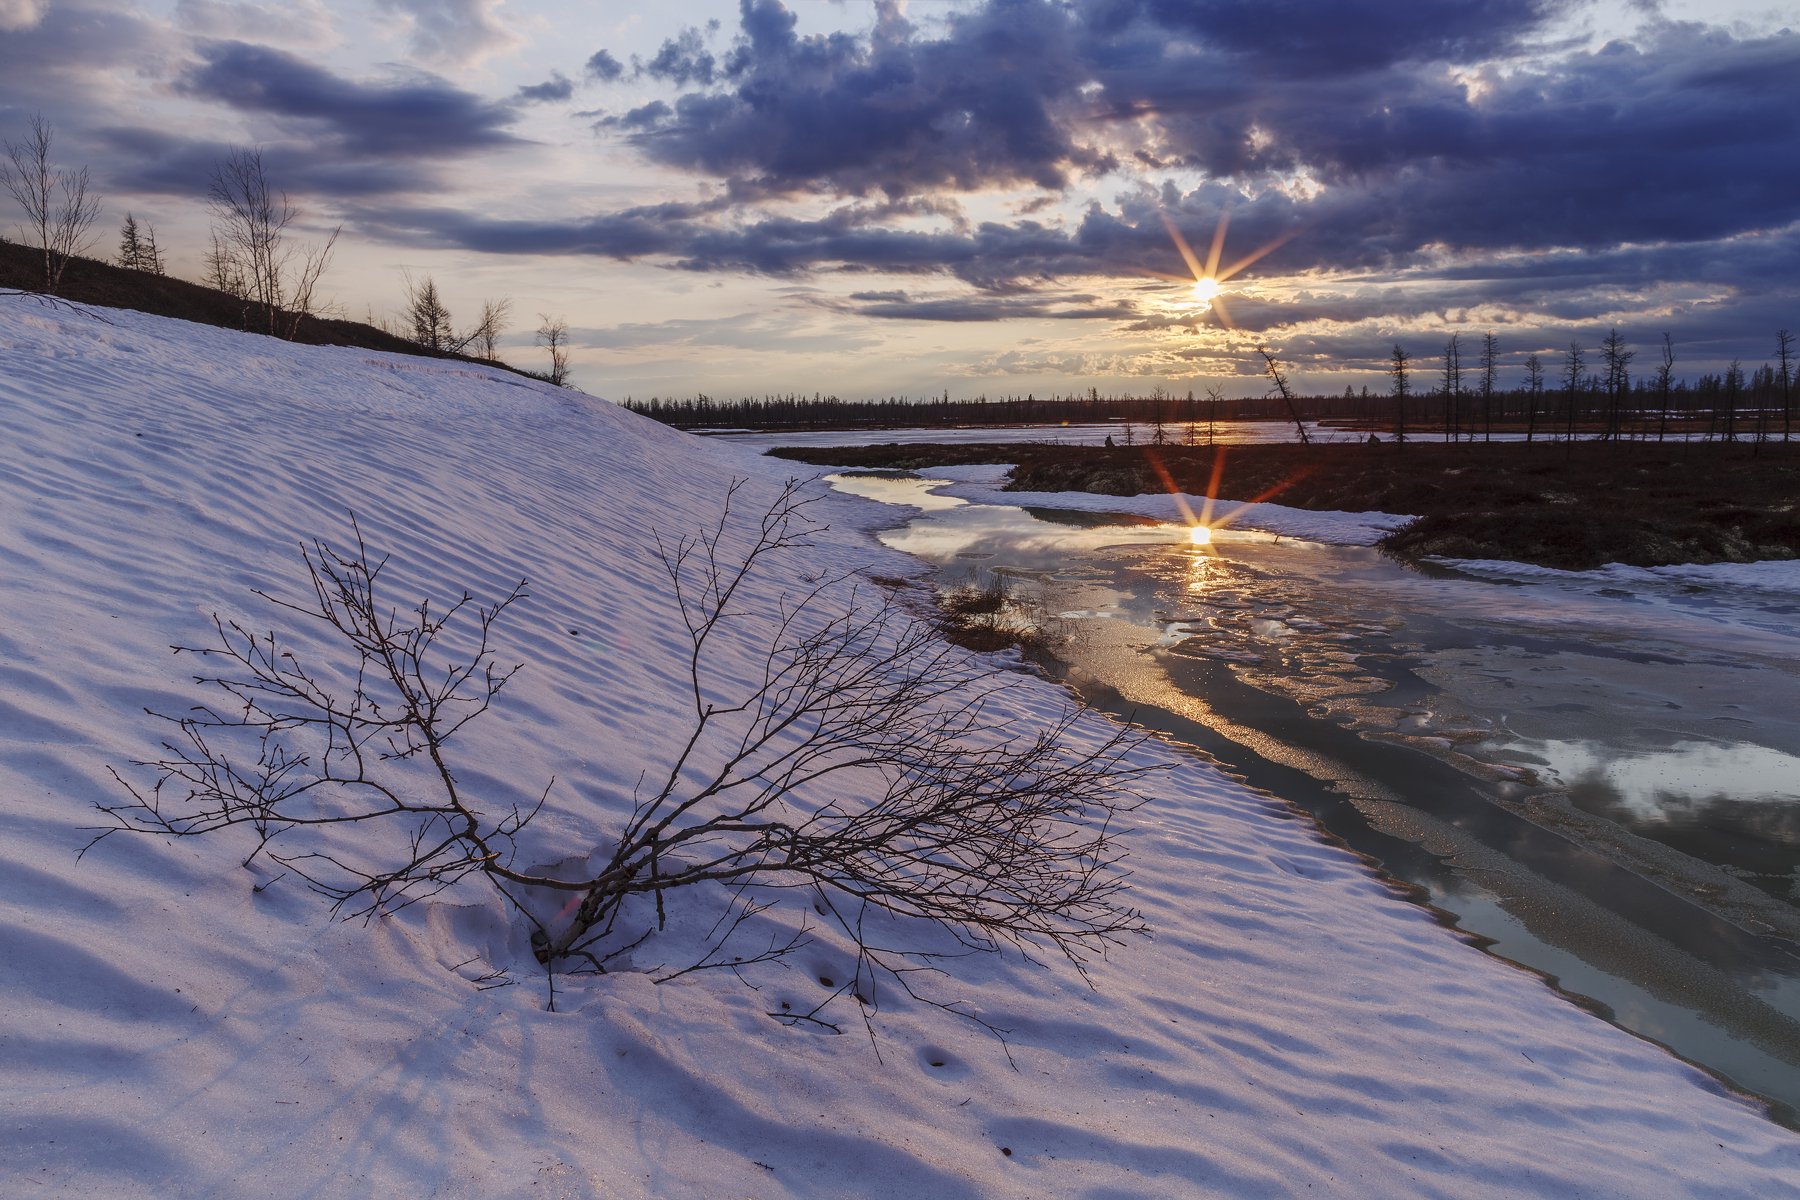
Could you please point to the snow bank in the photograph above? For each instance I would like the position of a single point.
(165, 1029)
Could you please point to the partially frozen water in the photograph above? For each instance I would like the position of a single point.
(1603, 780)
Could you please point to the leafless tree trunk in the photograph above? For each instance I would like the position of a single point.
(59, 209)
(1618, 381)
(1402, 386)
(1784, 362)
(1665, 378)
(1574, 367)
(1534, 394)
(1278, 377)
(485, 337)
(1452, 386)
(1490, 367)
(251, 219)
(553, 335)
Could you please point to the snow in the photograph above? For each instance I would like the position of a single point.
(166, 1029)
(983, 484)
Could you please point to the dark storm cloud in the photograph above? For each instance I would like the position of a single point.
(1693, 135)
(959, 309)
(1339, 37)
(420, 117)
(152, 161)
(891, 113)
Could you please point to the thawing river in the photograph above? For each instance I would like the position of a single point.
(1599, 782)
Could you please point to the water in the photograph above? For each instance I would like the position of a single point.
(1602, 781)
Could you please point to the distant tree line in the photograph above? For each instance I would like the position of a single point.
(1574, 395)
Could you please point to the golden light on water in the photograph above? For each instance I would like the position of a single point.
(1200, 535)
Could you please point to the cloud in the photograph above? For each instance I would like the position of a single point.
(893, 112)
(557, 87)
(19, 15)
(682, 60)
(294, 24)
(156, 162)
(420, 116)
(454, 33)
(1307, 39)
(74, 59)
(895, 305)
(604, 67)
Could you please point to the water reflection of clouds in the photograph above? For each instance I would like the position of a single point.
(1657, 785)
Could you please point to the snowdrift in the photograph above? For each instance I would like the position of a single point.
(172, 1023)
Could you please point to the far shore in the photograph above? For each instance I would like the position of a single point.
(1571, 505)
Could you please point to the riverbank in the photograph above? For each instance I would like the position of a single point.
(1573, 506)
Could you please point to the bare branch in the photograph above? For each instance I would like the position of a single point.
(862, 762)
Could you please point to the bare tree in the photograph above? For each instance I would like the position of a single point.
(1534, 394)
(1665, 378)
(1733, 390)
(1215, 396)
(1618, 380)
(864, 764)
(1784, 362)
(553, 335)
(1278, 377)
(251, 219)
(1402, 386)
(1574, 369)
(1490, 368)
(1452, 386)
(223, 272)
(484, 338)
(59, 209)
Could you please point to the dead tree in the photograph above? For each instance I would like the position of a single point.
(1574, 370)
(59, 209)
(1665, 378)
(1534, 394)
(864, 767)
(1402, 385)
(1278, 377)
(1452, 387)
(1784, 362)
(1617, 358)
(1490, 368)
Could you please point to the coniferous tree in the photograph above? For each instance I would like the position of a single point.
(1401, 387)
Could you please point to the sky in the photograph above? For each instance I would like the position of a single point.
(975, 196)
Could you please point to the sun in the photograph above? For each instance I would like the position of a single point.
(1200, 535)
(1208, 279)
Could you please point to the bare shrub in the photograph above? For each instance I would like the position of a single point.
(992, 616)
(861, 765)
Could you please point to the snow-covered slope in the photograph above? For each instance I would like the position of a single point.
(165, 1030)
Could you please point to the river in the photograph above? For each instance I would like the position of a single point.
(1599, 782)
